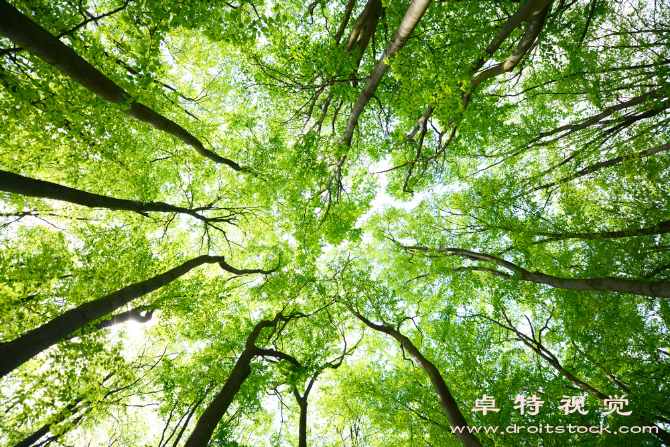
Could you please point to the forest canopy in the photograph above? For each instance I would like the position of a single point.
(334, 223)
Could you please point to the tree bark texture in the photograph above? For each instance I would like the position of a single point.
(16, 352)
(345, 20)
(210, 418)
(364, 27)
(531, 11)
(25, 186)
(302, 428)
(634, 287)
(34, 437)
(409, 22)
(129, 315)
(534, 17)
(447, 401)
(515, 21)
(35, 39)
(302, 403)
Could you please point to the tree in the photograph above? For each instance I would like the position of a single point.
(416, 205)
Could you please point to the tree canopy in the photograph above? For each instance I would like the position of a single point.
(334, 223)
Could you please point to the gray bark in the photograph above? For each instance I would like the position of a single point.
(447, 401)
(210, 418)
(36, 40)
(409, 22)
(634, 287)
(534, 18)
(364, 27)
(25, 186)
(345, 20)
(18, 351)
(515, 21)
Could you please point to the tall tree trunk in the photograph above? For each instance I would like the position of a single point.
(634, 287)
(360, 36)
(34, 437)
(16, 352)
(447, 401)
(302, 427)
(302, 433)
(536, 346)
(129, 315)
(414, 13)
(25, 186)
(364, 27)
(529, 11)
(535, 18)
(345, 21)
(44, 430)
(35, 39)
(302, 403)
(210, 418)
(59, 417)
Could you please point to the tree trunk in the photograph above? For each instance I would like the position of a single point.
(547, 355)
(523, 14)
(407, 25)
(364, 27)
(302, 403)
(129, 315)
(447, 401)
(515, 21)
(534, 23)
(33, 438)
(302, 428)
(361, 33)
(210, 418)
(345, 20)
(634, 287)
(302, 433)
(25, 186)
(35, 39)
(16, 352)
(42, 431)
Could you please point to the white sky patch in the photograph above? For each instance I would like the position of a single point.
(382, 199)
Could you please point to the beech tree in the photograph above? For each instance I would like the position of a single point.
(338, 223)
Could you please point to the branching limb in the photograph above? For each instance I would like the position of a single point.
(35, 39)
(635, 287)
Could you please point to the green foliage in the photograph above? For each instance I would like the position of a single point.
(559, 166)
